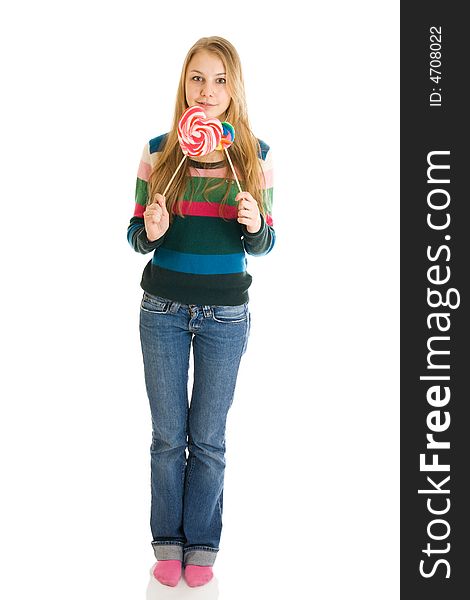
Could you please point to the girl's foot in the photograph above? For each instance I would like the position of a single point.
(196, 575)
(168, 572)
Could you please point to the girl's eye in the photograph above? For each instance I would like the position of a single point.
(221, 80)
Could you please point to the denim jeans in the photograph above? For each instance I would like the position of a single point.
(187, 453)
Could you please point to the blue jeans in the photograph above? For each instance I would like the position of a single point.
(188, 439)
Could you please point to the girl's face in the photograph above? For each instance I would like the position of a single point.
(206, 84)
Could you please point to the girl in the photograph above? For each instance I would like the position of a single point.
(196, 293)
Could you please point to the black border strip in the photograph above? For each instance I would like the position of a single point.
(434, 261)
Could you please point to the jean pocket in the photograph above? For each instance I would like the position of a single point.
(154, 304)
(230, 314)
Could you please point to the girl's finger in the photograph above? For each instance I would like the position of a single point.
(151, 213)
(162, 204)
(248, 208)
(155, 213)
(244, 203)
(241, 196)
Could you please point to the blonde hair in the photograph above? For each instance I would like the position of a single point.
(244, 151)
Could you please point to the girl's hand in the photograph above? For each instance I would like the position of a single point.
(156, 218)
(248, 212)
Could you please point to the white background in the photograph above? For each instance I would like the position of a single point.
(311, 498)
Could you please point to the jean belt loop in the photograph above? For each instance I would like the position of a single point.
(174, 306)
(207, 310)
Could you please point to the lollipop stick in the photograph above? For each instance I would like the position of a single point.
(174, 175)
(233, 170)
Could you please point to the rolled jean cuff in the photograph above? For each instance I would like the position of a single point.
(168, 550)
(203, 556)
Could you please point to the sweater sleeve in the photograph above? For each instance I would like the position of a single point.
(262, 242)
(136, 234)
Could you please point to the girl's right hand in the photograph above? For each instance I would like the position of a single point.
(156, 218)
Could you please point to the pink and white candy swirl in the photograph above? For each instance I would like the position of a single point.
(197, 134)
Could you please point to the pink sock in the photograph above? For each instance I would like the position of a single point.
(168, 572)
(196, 575)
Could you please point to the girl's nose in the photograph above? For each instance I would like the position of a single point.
(206, 90)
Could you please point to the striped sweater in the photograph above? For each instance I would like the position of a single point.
(201, 259)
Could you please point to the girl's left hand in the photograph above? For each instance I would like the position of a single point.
(248, 212)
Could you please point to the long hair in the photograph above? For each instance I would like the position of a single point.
(244, 151)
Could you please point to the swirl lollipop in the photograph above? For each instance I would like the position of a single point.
(197, 135)
(228, 137)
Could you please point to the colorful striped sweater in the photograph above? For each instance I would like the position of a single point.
(201, 259)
